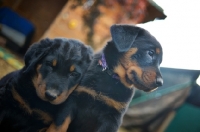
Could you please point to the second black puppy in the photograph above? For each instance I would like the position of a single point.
(130, 60)
(30, 97)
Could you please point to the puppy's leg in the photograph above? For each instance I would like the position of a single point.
(108, 126)
(61, 128)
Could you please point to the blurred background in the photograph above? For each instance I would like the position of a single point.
(174, 107)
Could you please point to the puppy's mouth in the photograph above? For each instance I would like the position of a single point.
(150, 90)
(139, 83)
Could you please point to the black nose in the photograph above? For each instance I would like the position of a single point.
(159, 81)
(49, 96)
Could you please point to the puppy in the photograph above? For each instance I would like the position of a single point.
(29, 97)
(130, 60)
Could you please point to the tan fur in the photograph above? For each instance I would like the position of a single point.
(40, 86)
(134, 67)
(125, 66)
(46, 118)
(72, 68)
(149, 75)
(157, 50)
(109, 101)
(62, 128)
(43, 116)
(54, 63)
(126, 59)
(119, 69)
(21, 101)
(63, 96)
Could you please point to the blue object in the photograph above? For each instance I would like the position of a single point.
(14, 21)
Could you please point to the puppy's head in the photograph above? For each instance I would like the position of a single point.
(56, 67)
(141, 55)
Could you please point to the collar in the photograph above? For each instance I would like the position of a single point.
(102, 62)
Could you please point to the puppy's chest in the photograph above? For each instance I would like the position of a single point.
(11, 110)
(17, 104)
(90, 102)
(106, 87)
(6, 98)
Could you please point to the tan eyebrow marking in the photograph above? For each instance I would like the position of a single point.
(72, 68)
(54, 62)
(158, 50)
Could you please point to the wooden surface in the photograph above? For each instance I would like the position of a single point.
(91, 25)
(67, 24)
(40, 12)
(90, 22)
(82, 19)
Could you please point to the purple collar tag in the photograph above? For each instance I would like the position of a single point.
(103, 63)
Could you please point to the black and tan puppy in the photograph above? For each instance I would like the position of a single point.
(130, 60)
(29, 97)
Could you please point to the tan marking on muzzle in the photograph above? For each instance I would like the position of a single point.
(63, 96)
(39, 84)
(149, 76)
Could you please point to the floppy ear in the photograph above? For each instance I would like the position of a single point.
(36, 52)
(123, 36)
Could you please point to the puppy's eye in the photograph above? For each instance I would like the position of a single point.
(136, 56)
(151, 52)
(48, 63)
(74, 74)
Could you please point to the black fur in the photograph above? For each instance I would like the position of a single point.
(98, 104)
(21, 109)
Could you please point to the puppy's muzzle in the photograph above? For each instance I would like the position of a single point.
(51, 94)
(159, 81)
